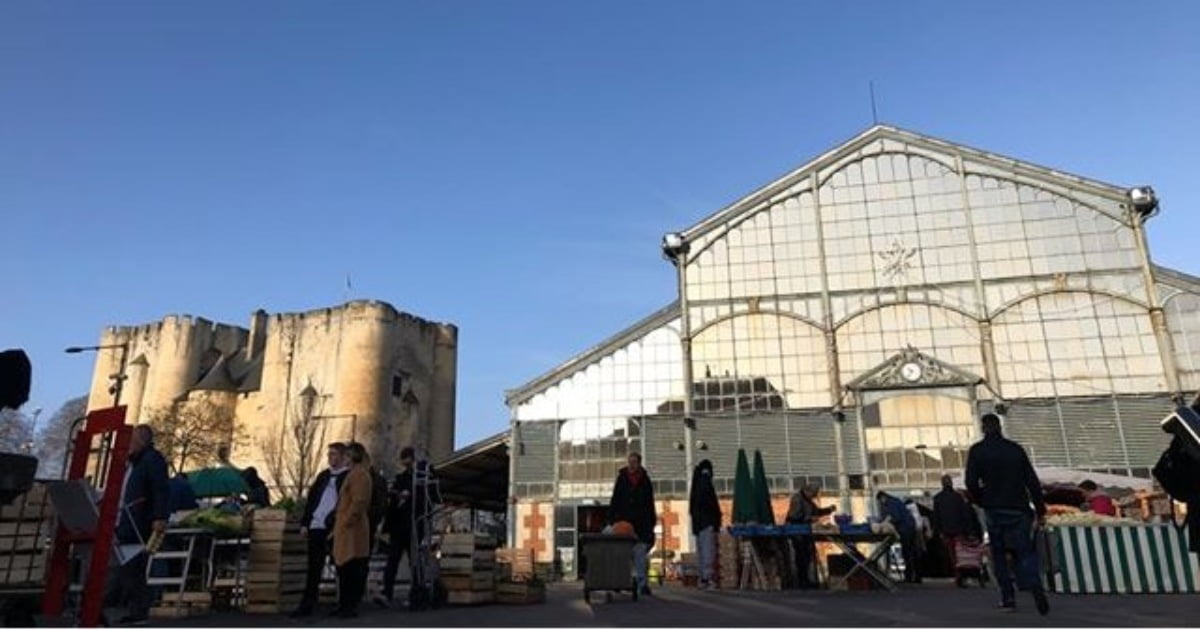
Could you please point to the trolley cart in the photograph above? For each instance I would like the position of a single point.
(609, 565)
(426, 589)
(969, 556)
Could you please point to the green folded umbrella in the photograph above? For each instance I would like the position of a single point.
(763, 513)
(221, 481)
(743, 491)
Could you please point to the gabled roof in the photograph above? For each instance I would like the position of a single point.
(933, 373)
(217, 379)
(655, 320)
(799, 175)
(1177, 279)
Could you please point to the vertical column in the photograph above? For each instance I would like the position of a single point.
(831, 350)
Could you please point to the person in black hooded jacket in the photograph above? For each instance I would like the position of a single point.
(633, 501)
(705, 511)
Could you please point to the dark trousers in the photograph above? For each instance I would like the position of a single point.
(912, 556)
(1012, 531)
(318, 552)
(127, 587)
(352, 583)
(804, 550)
(398, 545)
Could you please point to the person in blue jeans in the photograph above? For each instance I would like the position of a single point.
(1001, 480)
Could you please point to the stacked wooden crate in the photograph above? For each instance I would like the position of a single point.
(26, 528)
(727, 561)
(179, 605)
(277, 562)
(515, 580)
(514, 564)
(468, 568)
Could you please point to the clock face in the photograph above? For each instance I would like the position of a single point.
(911, 372)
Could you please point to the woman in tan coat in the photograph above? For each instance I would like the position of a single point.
(352, 533)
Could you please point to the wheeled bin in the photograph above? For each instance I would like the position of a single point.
(609, 565)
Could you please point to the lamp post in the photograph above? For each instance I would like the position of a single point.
(921, 448)
(118, 382)
(675, 250)
(118, 379)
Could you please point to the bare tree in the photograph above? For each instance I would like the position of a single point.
(272, 447)
(53, 439)
(16, 431)
(194, 434)
(304, 455)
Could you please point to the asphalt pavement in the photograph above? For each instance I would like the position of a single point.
(937, 604)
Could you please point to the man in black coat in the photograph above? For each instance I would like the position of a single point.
(398, 522)
(145, 508)
(317, 523)
(633, 501)
(953, 520)
(1001, 480)
(705, 510)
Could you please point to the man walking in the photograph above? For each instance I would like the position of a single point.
(953, 520)
(145, 508)
(705, 511)
(633, 502)
(1001, 480)
(316, 524)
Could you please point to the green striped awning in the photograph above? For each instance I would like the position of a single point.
(1125, 559)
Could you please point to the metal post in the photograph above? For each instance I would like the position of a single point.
(685, 339)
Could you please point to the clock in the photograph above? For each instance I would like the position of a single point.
(911, 372)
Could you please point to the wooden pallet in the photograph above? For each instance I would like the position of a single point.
(470, 598)
(520, 593)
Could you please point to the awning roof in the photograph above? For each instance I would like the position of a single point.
(477, 475)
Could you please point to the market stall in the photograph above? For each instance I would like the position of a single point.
(1096, 554)
(760, 541)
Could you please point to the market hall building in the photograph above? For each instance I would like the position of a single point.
(851, 320)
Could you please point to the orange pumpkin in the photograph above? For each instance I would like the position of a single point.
(623, 528)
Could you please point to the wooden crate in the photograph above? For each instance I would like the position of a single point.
(470, 598)
(520, 593)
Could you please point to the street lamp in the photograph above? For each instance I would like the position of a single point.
(118, 379)
(675, 249)
(920, 448)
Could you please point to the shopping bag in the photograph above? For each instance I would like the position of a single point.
(1046, 543)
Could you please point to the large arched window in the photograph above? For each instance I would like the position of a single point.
(870, 338)
(1076, 344)
(771, 356)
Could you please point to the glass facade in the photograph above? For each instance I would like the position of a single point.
(1030, 280)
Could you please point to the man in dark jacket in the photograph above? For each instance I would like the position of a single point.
(258, 493)
(803, 510)
(953, 520)
(317, 523)
(1001, 480)
(894, 510)
(633, 502)
(705, 513)
(398, 522)
(145, 508)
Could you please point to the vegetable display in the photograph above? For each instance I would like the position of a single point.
(217, 521)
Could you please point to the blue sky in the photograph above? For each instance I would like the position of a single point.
(508, 166)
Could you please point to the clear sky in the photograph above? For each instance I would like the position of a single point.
(508, 166)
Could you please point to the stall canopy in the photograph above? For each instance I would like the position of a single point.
(1052, 475)
(476, 476)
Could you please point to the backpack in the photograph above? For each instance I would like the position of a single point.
(1178, 472)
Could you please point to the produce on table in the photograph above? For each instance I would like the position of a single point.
(1088, 518)
(217, 521)
(1054, 510)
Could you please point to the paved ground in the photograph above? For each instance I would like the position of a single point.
(939, 605)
